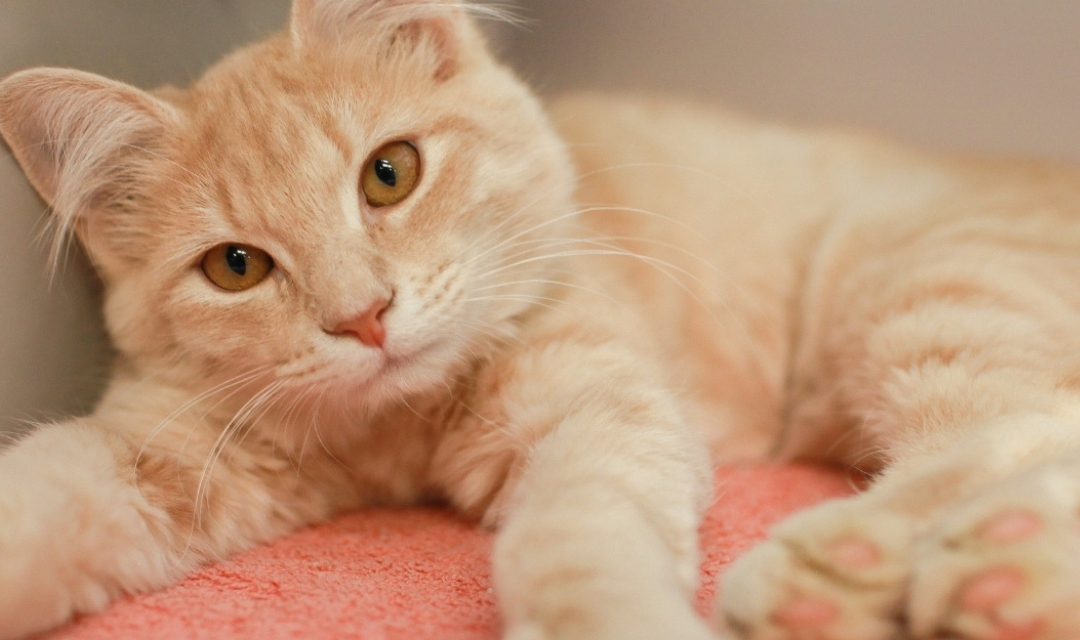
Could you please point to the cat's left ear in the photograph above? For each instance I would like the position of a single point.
(84, 142)
(437, 27)
(74, 133)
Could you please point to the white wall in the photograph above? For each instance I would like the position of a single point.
(1001, 76)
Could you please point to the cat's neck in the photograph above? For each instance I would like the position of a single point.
(372, 456)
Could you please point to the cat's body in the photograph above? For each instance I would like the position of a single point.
(553, 330)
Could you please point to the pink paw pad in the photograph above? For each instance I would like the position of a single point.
(806, 613)
(1015, 525)
(854, 553)
(986, 591)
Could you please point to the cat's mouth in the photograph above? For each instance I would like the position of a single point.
(395, 362)
(413, 357)
(396, 358)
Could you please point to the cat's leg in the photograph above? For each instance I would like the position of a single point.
(88, 514)
(837, 571)
(75, 532)
(928, 552)
(1006, 564)
(598, 488)
(943, 344)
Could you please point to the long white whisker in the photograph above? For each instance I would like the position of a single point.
(662, 266)
(494, 332)
(234, 384)
(252, 420)
(536, 227)
(549, 282)
(234, 425)
(539, 301)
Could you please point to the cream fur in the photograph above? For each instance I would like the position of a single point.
(590, 304)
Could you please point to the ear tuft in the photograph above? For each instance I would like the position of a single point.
(317, 21)
(442, 25)
(77, 136)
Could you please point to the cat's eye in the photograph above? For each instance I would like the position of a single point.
(236, 267)
(390, 174)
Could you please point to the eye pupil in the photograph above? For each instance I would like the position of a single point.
(390, 174)
(385, 171)
(237, 259)
(236, 267)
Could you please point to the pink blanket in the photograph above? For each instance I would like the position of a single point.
(415, 574)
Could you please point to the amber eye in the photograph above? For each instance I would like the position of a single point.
(236, 267)
(390, 174)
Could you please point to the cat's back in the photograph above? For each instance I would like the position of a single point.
(671, 150)
(725, 212)
(767, 236)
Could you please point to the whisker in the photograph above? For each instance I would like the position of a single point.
(318, 434)
(552, 283)
(234, 425)
(252, 420)
(494, 332)
(233, 383)
(540, 301)
(536, 227)
(668, 269)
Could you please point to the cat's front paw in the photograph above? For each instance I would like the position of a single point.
(1006, 566)
(835, 572)
(74, 533)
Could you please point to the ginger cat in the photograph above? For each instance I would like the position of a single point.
(359, 263)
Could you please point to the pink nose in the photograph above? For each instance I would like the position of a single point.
(368, 326)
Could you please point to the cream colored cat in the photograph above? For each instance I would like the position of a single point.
(357, 263)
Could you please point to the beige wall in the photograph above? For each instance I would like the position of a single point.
(1001, 75)
(998, 75)
(53, 353)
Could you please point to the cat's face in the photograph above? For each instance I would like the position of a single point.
(368, 161)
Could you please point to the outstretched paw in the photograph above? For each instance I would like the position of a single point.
(1004, 567)
(836, 572)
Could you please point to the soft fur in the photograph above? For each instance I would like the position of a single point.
(589, 306)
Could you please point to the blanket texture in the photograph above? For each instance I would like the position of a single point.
(417, 574)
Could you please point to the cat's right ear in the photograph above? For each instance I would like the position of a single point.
(75, 134)
(439, 24)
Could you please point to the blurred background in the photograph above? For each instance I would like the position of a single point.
(997, 77)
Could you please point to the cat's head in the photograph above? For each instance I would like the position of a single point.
(358, 204)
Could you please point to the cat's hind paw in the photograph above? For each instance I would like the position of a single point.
(836, 572)
(1004, 567)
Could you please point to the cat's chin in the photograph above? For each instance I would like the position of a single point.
(396, 373)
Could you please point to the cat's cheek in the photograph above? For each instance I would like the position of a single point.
(134, 319)
(229, 331)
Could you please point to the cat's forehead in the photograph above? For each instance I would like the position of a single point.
(275, 99)
(270, 130)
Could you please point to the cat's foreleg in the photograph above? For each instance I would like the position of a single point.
(585, 554)
(90, 511)
(75, 532)
(598, 519)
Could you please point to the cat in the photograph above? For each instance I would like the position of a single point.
(360, 263)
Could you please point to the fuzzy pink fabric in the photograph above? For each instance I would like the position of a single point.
(415, 574)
